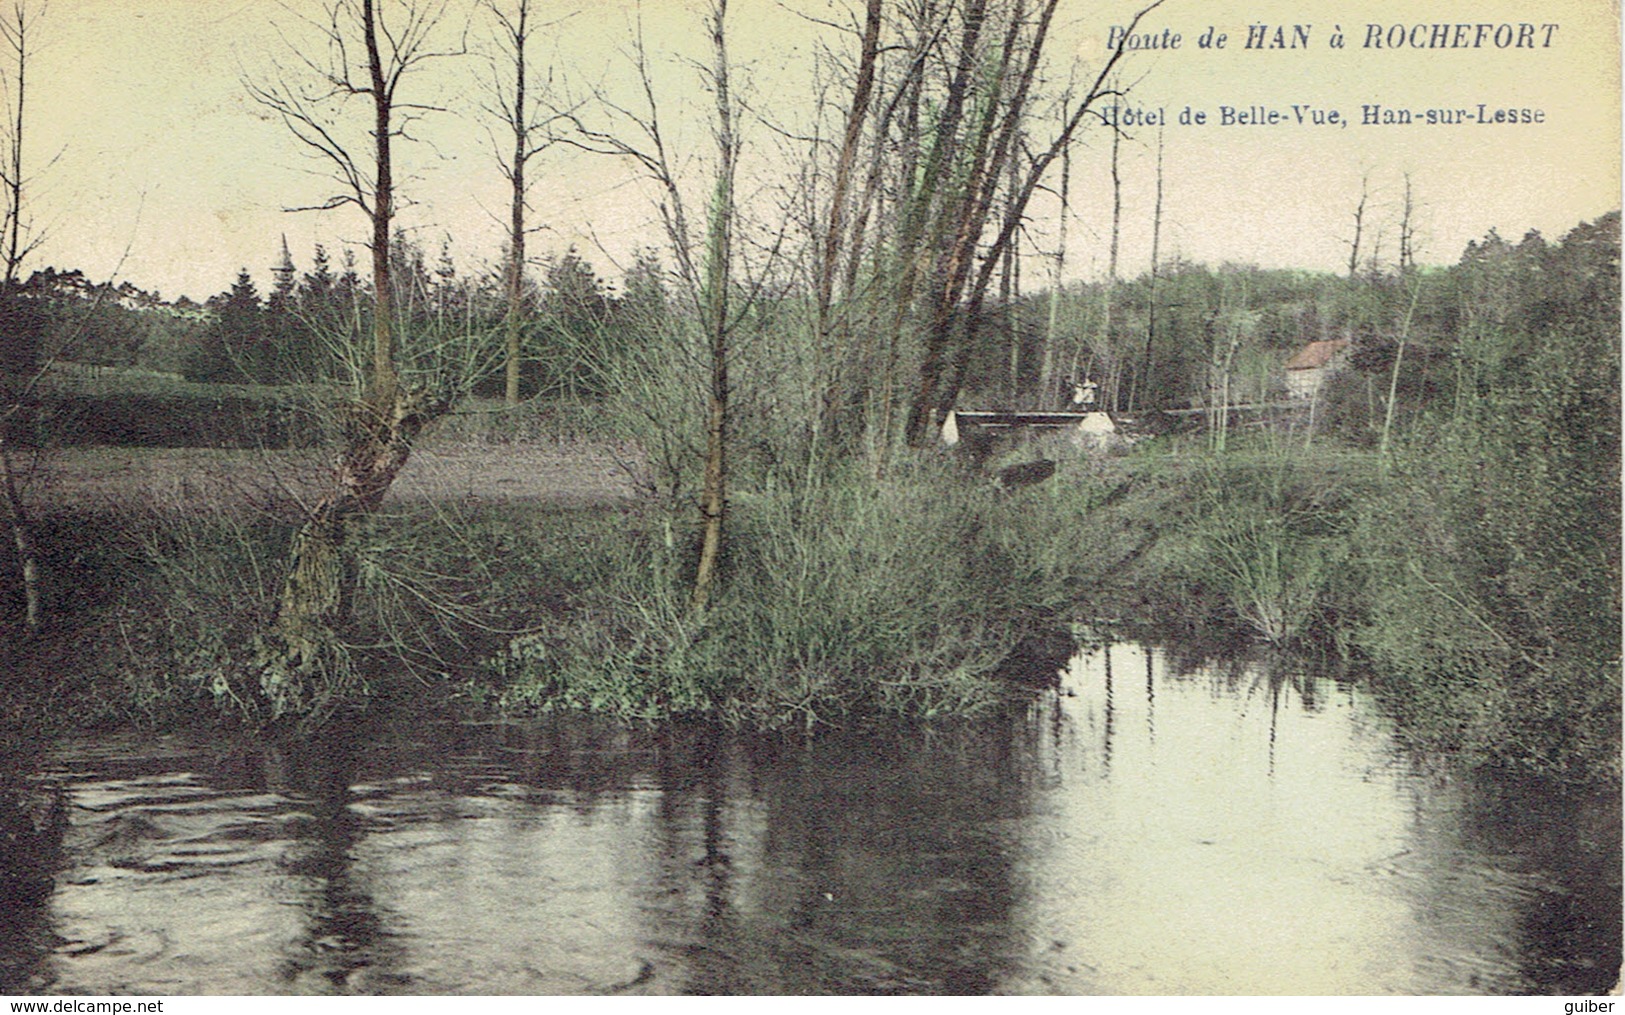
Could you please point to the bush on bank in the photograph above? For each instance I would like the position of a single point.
(857, 598)
(1493, 571)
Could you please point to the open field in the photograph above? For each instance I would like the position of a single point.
(566, 474)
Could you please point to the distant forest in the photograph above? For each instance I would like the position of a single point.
(1175, 338)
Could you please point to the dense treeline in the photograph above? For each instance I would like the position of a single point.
(306, 328)
(1475, 324)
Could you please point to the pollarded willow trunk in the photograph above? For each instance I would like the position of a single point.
(301, 659)
(303, 670)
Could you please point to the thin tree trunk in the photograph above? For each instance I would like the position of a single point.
(517, 32)
(1407, 231)
(1046, 378)
(1007, 308)
(1144, 386)
(516, 244)
(836, 399)
(1359, 229)
(15, 30)
(950, 266)
(18, 37)
(1109, 290)
(945, 363)
(22, 536)
(906, 229)
(949, 333)
(714, 494)
(1393, 378)
(836, 220)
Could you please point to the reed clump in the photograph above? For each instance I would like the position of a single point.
(855, 598)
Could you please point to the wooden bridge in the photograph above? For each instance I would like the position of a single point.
(1097, 425)
(1090, 424)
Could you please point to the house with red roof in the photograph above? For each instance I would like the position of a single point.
(1310, 367)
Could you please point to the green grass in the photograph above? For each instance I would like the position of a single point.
(854, 600)
(858, 599)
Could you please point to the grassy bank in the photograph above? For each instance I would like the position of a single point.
(1476, 588)
(855, 599)
(850, 600)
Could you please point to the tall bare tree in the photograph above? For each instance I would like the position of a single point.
(1108, 292)
(1407, 230)
(364, 52)
(516, 102)
(841, 239)
(1046, 385)
(17, 30)
(1146, 361)
(957, 295)
(715, 315)
(706, 271)
(1359, 228)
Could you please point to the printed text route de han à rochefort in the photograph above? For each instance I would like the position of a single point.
(1519, 35)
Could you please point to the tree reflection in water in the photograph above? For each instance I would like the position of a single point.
(344, 941)
(1262, 825)
(33, 817)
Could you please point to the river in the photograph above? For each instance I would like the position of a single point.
(1153, 825)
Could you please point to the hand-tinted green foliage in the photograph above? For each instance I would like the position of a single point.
(188, 586)
(857, 599)
(1476, 570)
(1270, 536)
(22, 328)
(1495, 554)
(236, 348)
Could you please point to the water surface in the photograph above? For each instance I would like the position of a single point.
(1150, 826)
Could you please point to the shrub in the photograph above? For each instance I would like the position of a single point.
(855, 598)
(1268, 535)
(1494, 572)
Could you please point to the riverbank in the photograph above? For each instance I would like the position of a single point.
(528, 577)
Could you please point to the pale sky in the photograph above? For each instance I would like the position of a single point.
(168, 176)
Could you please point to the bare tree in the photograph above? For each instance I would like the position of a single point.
(16, 28)
(1010, 291)
(837, 237)
(1393, 374)
(517, 103)
(17, 24)
(1359, 228)
(365, 52)
(1057, 283)
(1231, 323)
(705, 272)
(1407, 230)
(948, 338)
(1144, 385)
(1108, 292)
(715, 315)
